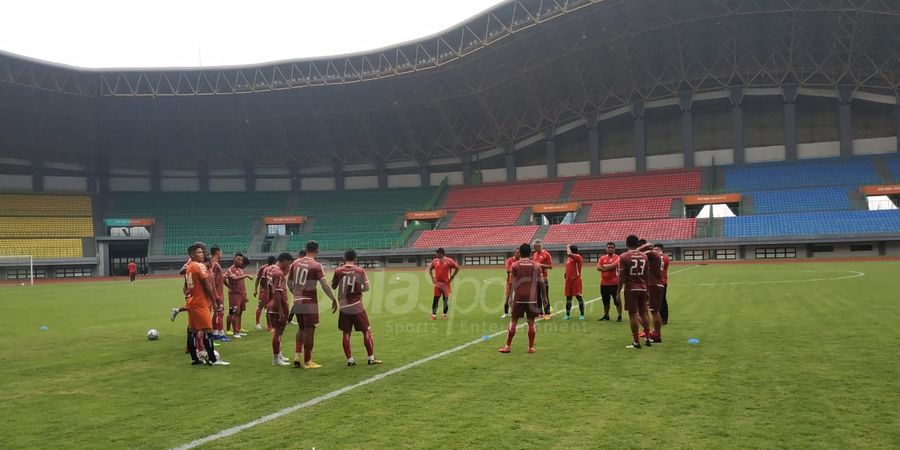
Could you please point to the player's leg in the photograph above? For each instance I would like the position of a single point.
(510, 333)
(664, 307)
(259, 309)
(434, 302)
(192, 347)
(580, 306)
(228, 320)
(309, 339)
(369, 342)
(506, 301)
(345, 343)
(298, 346)
(277, 335)
(633, 318)
(547, 307)
(446, 297)
(532, 331)
(568, 306)
(605, 296)
(618, 303)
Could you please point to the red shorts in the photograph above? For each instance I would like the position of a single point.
(349, 321)
(263, 299)
(235, 300)
(573, 287)
(275, 322)
(636, 301)
(441, 288)
(519, 310)
(655, 294)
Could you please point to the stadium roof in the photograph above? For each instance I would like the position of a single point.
(518, 72)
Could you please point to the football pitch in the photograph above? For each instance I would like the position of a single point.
(799, 355)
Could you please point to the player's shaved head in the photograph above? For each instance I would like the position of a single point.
(440, 252)
(350, 255)
(312, 247)
(285, 257)
(632, 242)
(215, 250)
(271, 260)
(525, 250)
(642, 242)
(659, 246)
(574, 248)
(302, 253)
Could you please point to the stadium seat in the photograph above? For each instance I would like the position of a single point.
(38, 224)
(797, 174)
(480, 217)
(813, 224)
(521, 193)
(42, 248)
(45, 205)
(601, 232)
(651, 184)
(476, 237)
(629, 209)
(894, 166)
(800, 200)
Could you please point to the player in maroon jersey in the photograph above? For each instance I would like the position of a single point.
(261, 290)
(608, 266)
(218, 281)
(277, 309)
(305, 274)
(574, 262)
(664, 307)
(440, 272)
(509, 263)
(351, 281)
(545, 259)
(632, 276)
(237, 292)
(526, 284)
(654, 288)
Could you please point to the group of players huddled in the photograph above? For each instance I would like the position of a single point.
(641, 272)
(204, 280)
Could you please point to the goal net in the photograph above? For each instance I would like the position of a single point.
(17, 269)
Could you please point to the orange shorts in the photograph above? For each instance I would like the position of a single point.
(199, 319)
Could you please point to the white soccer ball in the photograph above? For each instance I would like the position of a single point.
(153, 334)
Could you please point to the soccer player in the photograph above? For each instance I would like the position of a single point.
(218, 282)
(608, 266)
(237, 292)
(439, 272)
(632, 276)
(545, 259)
(574, 262)
(526, 290)
(351, 281)
(132, 270)
(664, 306)
(277, 309)
(304, 274)
(509, 262)
(654, 289)
(262, 281)
(197, 284)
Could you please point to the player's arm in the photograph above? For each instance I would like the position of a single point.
(335, 280)
(256, 284)
(513, 282)
(549, 265)
(645, 247)
(431, 272)
(569, 250)
(365, 283)
(207, 288)
(455, 271)
(327, 290)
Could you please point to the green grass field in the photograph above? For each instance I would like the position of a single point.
(784, 362)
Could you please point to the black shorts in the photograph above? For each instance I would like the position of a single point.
(609, 292)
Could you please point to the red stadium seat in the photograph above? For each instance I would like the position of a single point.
(480, 217)
(665, 229)
(522, 193)
(629, 209)
(476, 237)
(637, 185)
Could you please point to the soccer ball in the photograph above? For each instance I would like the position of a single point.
(153, 334)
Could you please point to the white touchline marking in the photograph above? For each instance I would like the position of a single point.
(315, 401)
(854, 274)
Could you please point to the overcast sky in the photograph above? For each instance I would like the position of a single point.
(169, 33)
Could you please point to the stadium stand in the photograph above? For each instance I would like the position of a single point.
(637, 185)
(798, 174)
(812, 224)
(800, 200)
(45, 226)
(665, 229)
(480, 217)
(522, 193)
(630, 209)
(476, 237)
(894, 166)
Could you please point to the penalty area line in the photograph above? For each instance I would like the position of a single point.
(338, 392)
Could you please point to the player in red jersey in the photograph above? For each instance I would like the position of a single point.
(305, 274)
(608, 266)
(261, 290)
(545, 259)
(574, 262)
(218, 283)
(351, 281)
(632, 276)
(277, 309)
(509, 263)
(237, 292)
(654, 288)
(132, 270)
(526, 287)
(664, 306)
(439, 271)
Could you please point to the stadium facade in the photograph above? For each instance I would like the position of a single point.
(530, 90)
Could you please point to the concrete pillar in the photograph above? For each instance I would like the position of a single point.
(594, 147)
(467, 171)
(202, 176)
(789, 93)
(897, 125)
(424, 173)
(338, 176)
(382, 175)
(295, 177)
(685, 102)
(640, 136)
(510, 163)
(551, 155)
(845, 124)
(249, 176)
(155, 176)
(37, 174)
(736, 96)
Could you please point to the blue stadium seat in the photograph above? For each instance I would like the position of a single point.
(797, 174)
(800, 200)
(813, 223)
(894, 165)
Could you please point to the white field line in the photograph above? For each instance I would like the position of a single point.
(853, 274)
(315, 401)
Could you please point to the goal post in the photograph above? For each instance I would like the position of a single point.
(17, 268)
